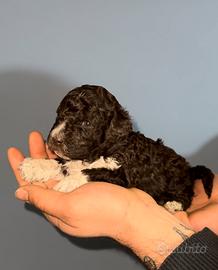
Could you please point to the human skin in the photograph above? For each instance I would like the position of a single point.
(129, 216)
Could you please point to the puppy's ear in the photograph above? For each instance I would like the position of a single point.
(120, 125)
(106, 100)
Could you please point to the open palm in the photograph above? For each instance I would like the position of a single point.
(202, 213)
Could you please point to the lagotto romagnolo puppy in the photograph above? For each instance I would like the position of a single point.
(94, 140)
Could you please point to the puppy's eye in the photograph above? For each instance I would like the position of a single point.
(85, 123)
(59, 142)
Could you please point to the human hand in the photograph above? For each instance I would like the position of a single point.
(102, 209)
(91, 203)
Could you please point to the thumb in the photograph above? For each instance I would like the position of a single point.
(47, 200)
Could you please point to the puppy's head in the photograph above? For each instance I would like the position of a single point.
(89, 122)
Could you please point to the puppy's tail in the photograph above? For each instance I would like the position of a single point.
(206, 175)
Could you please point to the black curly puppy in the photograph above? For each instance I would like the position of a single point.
(91, 124)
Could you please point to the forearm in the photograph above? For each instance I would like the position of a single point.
(153, 250)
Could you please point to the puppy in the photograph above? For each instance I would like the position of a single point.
(94, 140)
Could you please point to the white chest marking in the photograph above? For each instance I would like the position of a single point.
(76, 178)
(108, 163)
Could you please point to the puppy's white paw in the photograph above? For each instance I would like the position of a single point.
(70, 183)
(173, 206)
(40, 170)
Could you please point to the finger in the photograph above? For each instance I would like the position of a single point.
(50, 183)
(49, 152)
(59, 224)
(15, 157)
(37, 146)
(47, 185)
(49, 201)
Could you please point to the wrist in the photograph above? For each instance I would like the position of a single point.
(152, 237)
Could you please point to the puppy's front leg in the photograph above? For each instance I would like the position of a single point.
(116, 176)
(40, 170)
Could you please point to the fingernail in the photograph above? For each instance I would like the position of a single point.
(21, 194)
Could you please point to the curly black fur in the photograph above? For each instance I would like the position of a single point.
(97, 125)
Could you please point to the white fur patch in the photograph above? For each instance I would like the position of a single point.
(173, 206)
(71, 182)
(56, 132)
(42, 170)
(108, 163)
(76, 178)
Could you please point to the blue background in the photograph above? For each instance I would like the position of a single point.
(159, 58)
